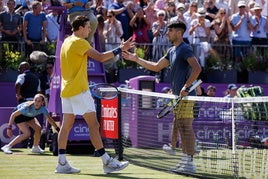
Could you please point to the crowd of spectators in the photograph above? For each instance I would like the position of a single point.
(211, 24)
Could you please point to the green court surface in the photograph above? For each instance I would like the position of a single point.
(22, 164)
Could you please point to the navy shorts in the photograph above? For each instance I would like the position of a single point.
(22, 118)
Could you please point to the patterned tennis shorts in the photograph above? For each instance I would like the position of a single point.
(184, 110)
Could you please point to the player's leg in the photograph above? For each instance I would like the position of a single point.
(171, 149)
(188, 136)
(184, 115)
(109, 164)
(25, 134)
(35, 125)
(63, 165)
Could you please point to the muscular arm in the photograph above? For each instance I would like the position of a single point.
(195, 70)
(104, 56)
(152, 66)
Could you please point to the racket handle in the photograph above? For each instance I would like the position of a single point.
(195, 84)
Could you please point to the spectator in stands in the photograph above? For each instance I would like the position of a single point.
(53, 26)
(200, 29)
(241, 27)
(45, 80)
(231, 91)
(140, 25)
(264, 5)
(151, 18)
(112, 32)
(142, 3)
(223, 4)
(250, 10)
(27, 84)
(3, 8)
(99, 8)
(160, 5)
(161, 102)
(184, 71)
(181, 17)
(23, 10)
(34, 28)
(170, 10)
(24, 116)
(260, 28)
(212, 10)
(124, 14)
(190, 15)
(223, 29)
(211, 91)
(10, 23)
(100, 30)
(160, 40)
(200, 91)
(82, 7)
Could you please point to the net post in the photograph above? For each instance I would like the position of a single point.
(120, 142)
(234, 154)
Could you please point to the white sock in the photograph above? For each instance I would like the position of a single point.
(105, 157)
(62, 159)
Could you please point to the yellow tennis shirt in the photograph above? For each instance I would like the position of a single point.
(73, 63)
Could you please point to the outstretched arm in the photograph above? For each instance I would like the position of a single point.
(102, 57)
(152, 66)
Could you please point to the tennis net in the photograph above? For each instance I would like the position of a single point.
(231, 134)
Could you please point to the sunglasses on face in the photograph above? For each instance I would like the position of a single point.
(109, 16)
(223, 13)
(161, 15)
(242, 6)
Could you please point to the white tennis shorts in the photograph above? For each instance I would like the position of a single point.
(79, 104)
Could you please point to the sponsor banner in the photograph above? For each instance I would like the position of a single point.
(80, 131)
(109, 118)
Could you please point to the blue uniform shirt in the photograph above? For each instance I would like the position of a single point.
(30, 111)
(180, 68)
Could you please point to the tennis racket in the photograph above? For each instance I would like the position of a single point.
(174, 102)
(103, 91)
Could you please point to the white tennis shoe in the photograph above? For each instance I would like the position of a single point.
(37, 149)
(6, 149)
(66, 168)
(188, 168)
(169, 150)
(114, 165)
(186, 165)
